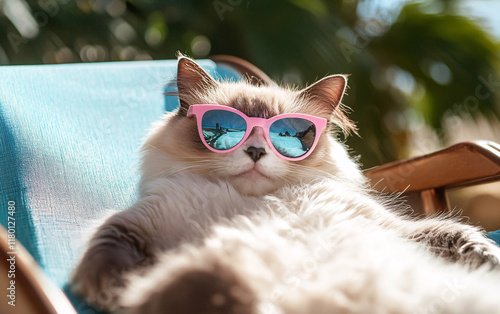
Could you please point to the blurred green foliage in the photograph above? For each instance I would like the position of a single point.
(410, 65)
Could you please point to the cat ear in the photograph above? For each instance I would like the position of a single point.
(326, 93)
(192, 81)
(325, 99)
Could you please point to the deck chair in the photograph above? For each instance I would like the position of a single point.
(68, 140)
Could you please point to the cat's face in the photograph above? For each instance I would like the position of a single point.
(175, 146)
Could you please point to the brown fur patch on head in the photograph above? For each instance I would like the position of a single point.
(254, 106)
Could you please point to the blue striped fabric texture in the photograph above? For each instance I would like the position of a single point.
(68, 141)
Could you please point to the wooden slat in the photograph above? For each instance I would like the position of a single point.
(434, 201)
(459, 165)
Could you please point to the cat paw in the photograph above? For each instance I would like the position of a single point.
(466, 245)
(98, 282)
(211, 291)
(477, 252)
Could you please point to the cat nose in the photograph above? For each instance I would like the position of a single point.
(255, 152)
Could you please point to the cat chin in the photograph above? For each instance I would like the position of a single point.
(253, 183)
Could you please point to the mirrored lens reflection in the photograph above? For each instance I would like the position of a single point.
(222, 129)
(292, 137)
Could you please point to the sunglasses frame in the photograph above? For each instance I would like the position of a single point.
(199, 110)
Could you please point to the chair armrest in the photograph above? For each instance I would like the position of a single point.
(460, 165)
(33, 291)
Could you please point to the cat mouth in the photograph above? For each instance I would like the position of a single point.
(252, 174)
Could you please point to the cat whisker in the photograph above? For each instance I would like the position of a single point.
(193, 166)
(184, 158)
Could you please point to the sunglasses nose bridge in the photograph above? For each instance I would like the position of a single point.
(257, 130)
(257, 138)
(257, 125)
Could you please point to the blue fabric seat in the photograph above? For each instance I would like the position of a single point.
(68, 141)
(495, 236)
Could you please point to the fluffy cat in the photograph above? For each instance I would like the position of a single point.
(228, 233)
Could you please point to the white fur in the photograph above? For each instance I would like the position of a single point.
(324, 244)
(316, 249)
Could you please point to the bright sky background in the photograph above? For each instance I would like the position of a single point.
(487, 10)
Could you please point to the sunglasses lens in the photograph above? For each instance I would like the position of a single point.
(223, 130)
(292, 137)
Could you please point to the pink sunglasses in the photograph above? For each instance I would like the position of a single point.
(290, 136)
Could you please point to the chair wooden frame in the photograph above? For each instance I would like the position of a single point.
(34, 292)
(461, 165)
